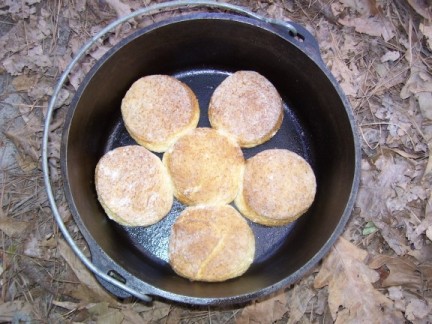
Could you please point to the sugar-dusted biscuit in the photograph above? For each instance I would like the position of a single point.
(247, 106)
(278, 187)
(157, 109)
(205, 167)
(211, 243)
(133, 186)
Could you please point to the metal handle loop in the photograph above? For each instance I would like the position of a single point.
(45, 163)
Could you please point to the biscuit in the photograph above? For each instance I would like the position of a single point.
(248, 107)
(157, 109)
(205, 167)
(278, 187)
(133, 186)
(211, 243)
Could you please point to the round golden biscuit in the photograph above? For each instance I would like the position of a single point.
(211, 243)
(248, 107)
(278, 187)
(133, 186)
(158, 109)
(205, 167)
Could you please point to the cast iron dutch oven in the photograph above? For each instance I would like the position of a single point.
(201, 50)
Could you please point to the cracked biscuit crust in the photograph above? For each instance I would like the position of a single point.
(211, 243)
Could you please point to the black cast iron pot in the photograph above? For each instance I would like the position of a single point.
(201, 50)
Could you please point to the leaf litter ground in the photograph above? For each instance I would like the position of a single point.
(379, 271)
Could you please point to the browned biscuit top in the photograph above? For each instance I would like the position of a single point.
(205, 167)
(133, 186)
(278, 186)
(157, 109)
(248, 107)
(211, 243)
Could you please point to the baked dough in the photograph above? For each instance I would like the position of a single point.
(248, 107)
(278, 187)
(157, 109)
(205, 167)
(133, 186)
(211, 243)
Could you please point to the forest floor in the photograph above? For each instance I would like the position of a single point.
(379, 271)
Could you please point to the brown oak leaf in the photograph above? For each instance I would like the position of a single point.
(266, 311)
(352, 297)
(402, 271)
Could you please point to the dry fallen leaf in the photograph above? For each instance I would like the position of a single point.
(347, 75)
(26, 144)
(12, 227)
(426, 271)
(101, 313)
(364, 7)
(36, 59)
(99, 52)
(426, 29)
(404, 280)
(154, 312)
(429, 233)
(374, 26)
(426, 223)
(402, 271)
(266, 311)
(174, 316)
(419, 81)
(428, 168)
(386, 191)
(417, 309)
(67, 305)
(32, 248)
(425, 104)
(298, 301)
(16, 311)
(21, 9)
(78, 73)
(390, 56)
(422, 7)
(122, 9)
(24, 82)
(131, 317)
(352, 298)
(397, 295)
(82, 273)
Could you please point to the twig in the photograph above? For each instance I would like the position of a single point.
(56, 28)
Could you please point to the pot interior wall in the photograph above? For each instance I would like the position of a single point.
(202, 52)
